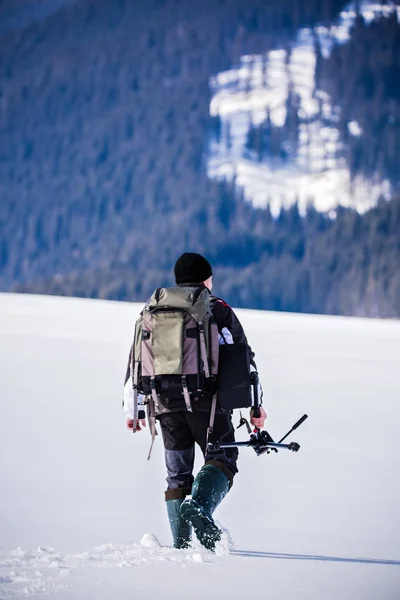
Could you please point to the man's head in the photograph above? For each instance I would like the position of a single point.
(193, 268)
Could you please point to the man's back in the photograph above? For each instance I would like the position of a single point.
(196, 417)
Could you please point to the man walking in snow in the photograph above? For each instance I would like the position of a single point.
(185, 421)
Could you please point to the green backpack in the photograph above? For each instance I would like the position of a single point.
(176, 348)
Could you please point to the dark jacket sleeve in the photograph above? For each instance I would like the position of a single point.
(225, 317)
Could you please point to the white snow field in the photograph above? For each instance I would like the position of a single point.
(82, 511)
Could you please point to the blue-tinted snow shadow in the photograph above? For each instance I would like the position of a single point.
(286, 556)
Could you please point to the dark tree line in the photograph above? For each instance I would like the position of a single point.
(313, 263)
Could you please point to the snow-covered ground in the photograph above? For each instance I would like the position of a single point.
(79, 503)
(243, 97)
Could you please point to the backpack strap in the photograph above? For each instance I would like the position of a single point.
(135, 375)
(186, 394)
(197, 293)
(151, 408)
(153, 391)
(212, 418)
(151, 419)
(203, 350)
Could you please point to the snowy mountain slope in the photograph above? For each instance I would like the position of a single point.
(260, 89)
(77, 494)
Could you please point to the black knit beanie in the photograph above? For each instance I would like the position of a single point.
(192, 268)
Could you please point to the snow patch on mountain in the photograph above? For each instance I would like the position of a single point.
(257, 92)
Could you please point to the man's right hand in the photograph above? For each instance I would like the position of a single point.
(140, 424)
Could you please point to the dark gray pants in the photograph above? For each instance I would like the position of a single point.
(181, 431)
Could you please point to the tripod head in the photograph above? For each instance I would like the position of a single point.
(261, 442)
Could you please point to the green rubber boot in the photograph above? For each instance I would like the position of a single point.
(181, 530)
(209, 488)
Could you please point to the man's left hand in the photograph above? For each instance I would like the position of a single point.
(258, 422)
